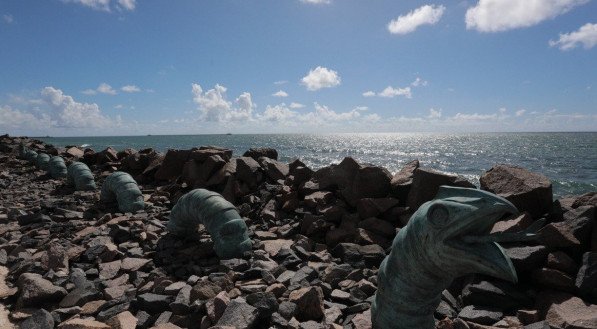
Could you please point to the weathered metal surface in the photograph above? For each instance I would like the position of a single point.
(79, 175)
(123, 189)
(57, 167)
(444, 239)
(227, 228)
(42, 161)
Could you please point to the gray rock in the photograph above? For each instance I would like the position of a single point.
(154, 303)
(481, 316)
(34, 290)
(586, 279)
(239, 314)
(40, 319)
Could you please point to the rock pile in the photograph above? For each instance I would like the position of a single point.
(68, 261)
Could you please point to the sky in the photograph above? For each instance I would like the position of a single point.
(136, 67)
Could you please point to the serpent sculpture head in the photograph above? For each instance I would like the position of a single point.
(445, 238)
(228, 230)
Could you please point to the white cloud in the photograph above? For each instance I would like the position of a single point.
(585, 35)
(321, 77)
(105, 88)
(520, 112)
(434, 114)
(103, 5)
(278, 113)
(502, 15)
(127, 4)
(14, 119)
(281, 82)
(214, 106)
(280, 93)
(391, 92)
(7, 18)
(419, 82)
(130, 89)
(369, 93)
(425, 15)
(474, 117)
(317, 1)
(119, 106)
(294, 105)
(72, 114)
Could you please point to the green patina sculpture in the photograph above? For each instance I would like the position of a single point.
(123, 189)
(57, 167)
(226, 227)
(79, 175)
(30, 156)
(445, 238)
(42, 161)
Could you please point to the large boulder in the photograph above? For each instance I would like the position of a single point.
(258, 152)
(368, 182)
(249, 171)
(204, 152)
(526, 190)
(196, 174)
(337, 176)
(586, 279)
(426, 183)
(309, 302)
(106, 156)
(172, 164)
(403, 179)
(34, 290)
(570, 312)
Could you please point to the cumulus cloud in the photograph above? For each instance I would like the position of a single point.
(130, 89)
(502, 15)
(294, 105)
(127, 4)
(214, 106)
(103, 88)
(425, 15)
(520, 113)
(7, 18)
(280, 93)
(369, 93)
(419, 82)
(321, 77)
(280, 82)
(585, 35)
(391, 92)
(13, 119)
(434, 114)
(72, 114)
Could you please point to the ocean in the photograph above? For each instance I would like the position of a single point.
(568, 159)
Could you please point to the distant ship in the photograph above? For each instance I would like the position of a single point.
(229, 134)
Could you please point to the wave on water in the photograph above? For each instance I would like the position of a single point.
(85, 145)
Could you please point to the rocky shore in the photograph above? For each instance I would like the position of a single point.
(69, 261)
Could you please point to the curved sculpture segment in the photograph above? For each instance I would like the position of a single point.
(79, 175)
(30, 156)
(122, 188)
(42, 161)
(57, 167)
(445, 238)
(226, 227)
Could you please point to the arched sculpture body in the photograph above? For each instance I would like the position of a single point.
(80, 176)
(30, 156)
(57, 167)
(444, 239)
(42, 161)
(226, 227)
(122, 188)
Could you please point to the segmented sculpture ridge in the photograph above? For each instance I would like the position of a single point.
(57, 167)
(445, 238)
(79, 175)
(226, 227)
(30, 156)
(42, 161)
(123, 189)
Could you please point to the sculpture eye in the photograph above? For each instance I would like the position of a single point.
(438, 215)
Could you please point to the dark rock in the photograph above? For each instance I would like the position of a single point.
(426, 183)
(572, 233)
(368, 182)
(481, 316)
(154, 303)
(402, 180)
(526, 190)
(527, 258)
(265, 303)
(205, 290)
(309, 302)
(239, 314)
(571, 312)
(498, 294)
(248, 171)
(559, 260)
(586, 279)
(370, 207)
(274, 170)
(205, 152)
(259, 152)
(33, 218)
(40, 319)
(172, 164)
(319, 199)
(34, 290)
(106, 156)
(515, 224)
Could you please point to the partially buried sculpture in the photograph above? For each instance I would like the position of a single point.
(80, 176)
(445, 238)
(226, 227)
(57, 167)
(30, 156)
(123, 189)
(42, 161)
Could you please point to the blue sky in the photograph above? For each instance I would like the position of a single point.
(126, 67)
